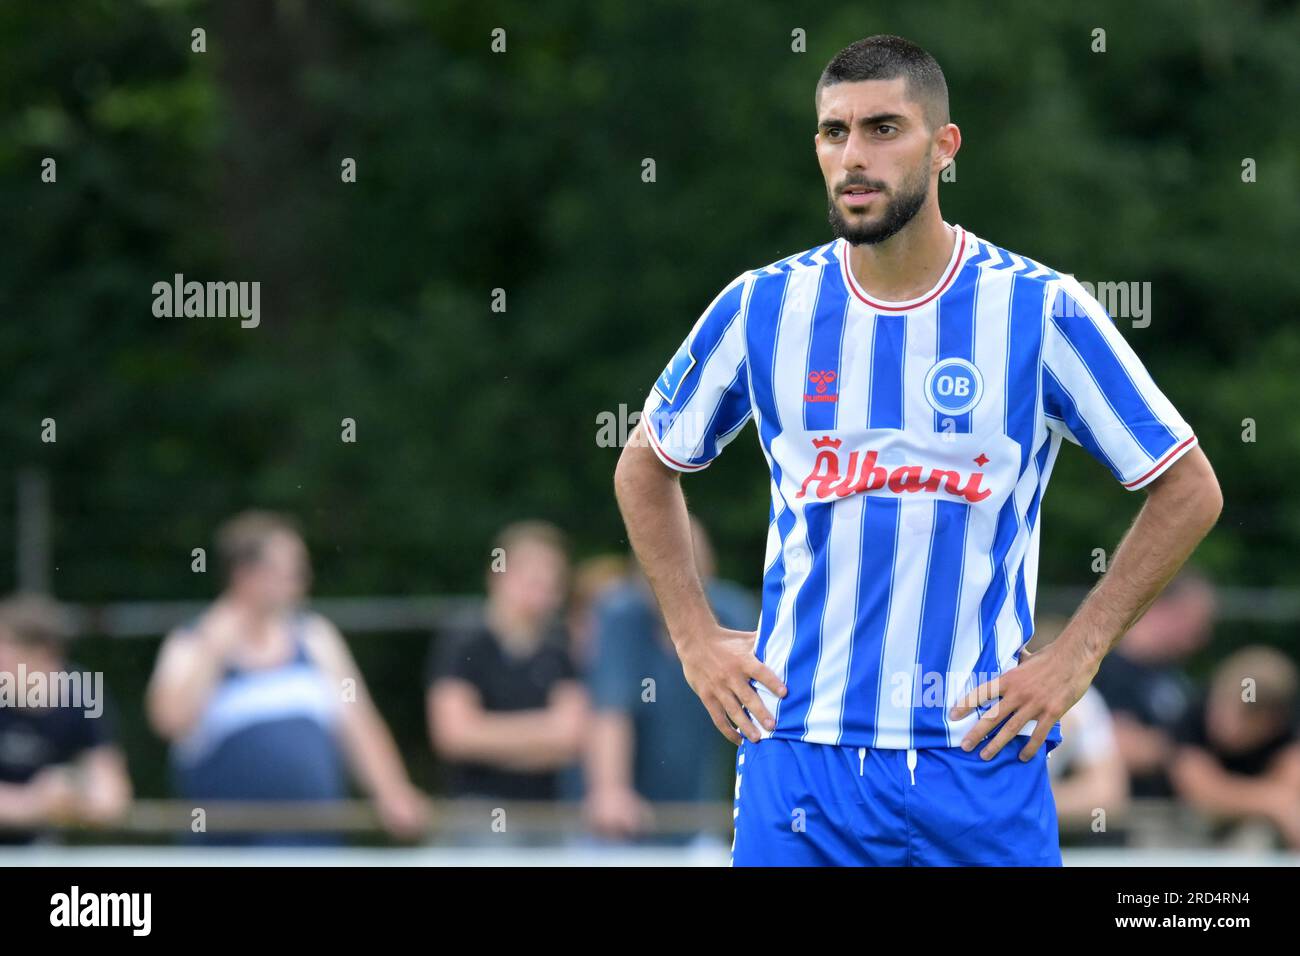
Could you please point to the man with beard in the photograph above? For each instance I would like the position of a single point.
(911, 385)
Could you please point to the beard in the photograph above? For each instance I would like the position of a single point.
(902, 206)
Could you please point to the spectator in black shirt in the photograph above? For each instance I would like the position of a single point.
(505, 707)
(59, 763)
(1238, 756)
(1144, 684)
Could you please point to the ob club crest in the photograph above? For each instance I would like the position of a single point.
(953, 386)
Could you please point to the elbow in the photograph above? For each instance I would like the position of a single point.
(1214, 500)
(1207, 503)
(1191, 488)
(446, 735)
(448, 747)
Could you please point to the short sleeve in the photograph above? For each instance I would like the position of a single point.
(84, 731)
(1097, 393)
(80, 729)
(451, 655)
(701, 401)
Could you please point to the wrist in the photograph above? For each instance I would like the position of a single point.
(1087, 646)
(686, 632)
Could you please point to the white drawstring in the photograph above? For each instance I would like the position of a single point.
(911, 765)
(862, 759)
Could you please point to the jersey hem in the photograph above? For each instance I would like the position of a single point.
(1171, 456)
(666, 458)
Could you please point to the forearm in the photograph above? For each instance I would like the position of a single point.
(17, 807)
(107, 793)
(1179, 511)
(180, 690)
(517, 740)
(372, 752)
(609, 752)
(1232, 796)
(1144, 749)
(658, 526)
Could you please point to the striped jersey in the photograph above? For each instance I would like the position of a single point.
(910, 444)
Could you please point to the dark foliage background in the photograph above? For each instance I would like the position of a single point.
(521, 171)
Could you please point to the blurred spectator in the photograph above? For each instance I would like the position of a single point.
(504, 704)
(262, 699)
(1087, 769)
(1145, 686)
(592, 579)
(59, 760)
(651, 739)
(1239, 754)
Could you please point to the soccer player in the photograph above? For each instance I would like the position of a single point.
(911, 384)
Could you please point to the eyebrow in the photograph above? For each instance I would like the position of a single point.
(866, 121)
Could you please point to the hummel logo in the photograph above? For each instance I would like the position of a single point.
(822, 381)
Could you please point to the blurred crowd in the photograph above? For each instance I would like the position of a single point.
(566, 688)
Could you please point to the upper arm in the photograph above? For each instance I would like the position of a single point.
(701, 400)
(452, 694)
(172, 656)
(450, 705)
(175, 657)
(328, 649)
(1097, 393)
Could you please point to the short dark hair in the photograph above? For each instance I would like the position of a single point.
(887, 57)
(241, 539)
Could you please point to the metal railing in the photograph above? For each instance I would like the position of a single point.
(1145, 822)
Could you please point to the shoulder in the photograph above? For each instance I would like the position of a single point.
(763, 288)
(317, 628)
(816, 258)
(323, 641)
(988, 256)
(1040, 287)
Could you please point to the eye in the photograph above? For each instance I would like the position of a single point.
(886, 129)
(831, 132)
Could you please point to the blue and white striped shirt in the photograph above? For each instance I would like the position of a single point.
(910, 444)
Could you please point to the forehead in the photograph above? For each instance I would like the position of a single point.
(537, 552)
(283, 544)
(852, 101)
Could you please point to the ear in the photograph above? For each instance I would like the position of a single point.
(947, 141)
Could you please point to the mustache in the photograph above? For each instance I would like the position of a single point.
(869, 184)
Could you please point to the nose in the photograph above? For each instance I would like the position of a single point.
(857, 151)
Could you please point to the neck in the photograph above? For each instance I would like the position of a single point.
(261, 620)
(908, 263)
(516, 632)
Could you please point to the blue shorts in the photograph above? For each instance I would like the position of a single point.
(803, 804)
